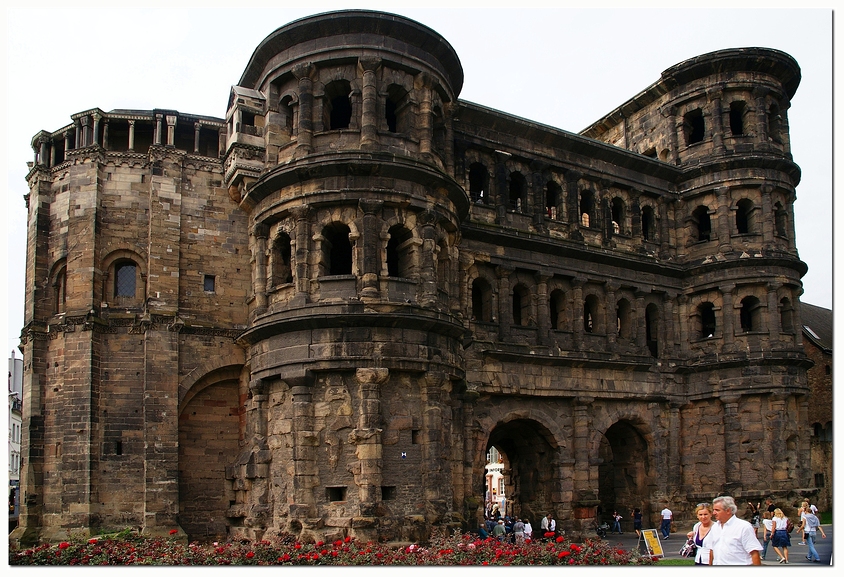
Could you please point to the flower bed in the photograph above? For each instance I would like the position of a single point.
(129, 549)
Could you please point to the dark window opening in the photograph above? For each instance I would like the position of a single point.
(338, 250)
(694, 126)
(650, 153)
(703, 224)
(60, 291)
(749, 316)
(521, 305)
(827, 370)
(388, 493)
(652, 330)
(707, 320)
(557, 308)
(618, 215)
(553, 192)
(396, 109)
(774, 123)
(786, 315)
(744, 215)
(819, 481)
(285, 109)
(414, 437)
(124, 280)
(398, 252)
(478, 183)
(648, 224)
(118, 448)
(334, 494)
(518, 189)
(590, 309)
(781, 220)
(622, 319)
(587, 207)
(247, 118)
(209, 283)
(282, 271)
(481, 301)
(737, 118)
(338, 105)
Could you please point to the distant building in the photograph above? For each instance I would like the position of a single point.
(817, 341)
(15, 421)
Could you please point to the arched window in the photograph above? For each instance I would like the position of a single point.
(622, 318)
(781, 220)
(745, 216)
(399, 255)
(587, 208)
(590, 314)
(619, 215)
(750, 315)
(557, 309)
(337, 107)
(396, 109)
(336, 250)
(285, 110)
(553, 198)
(737, 109)
(707, 320)
(60, 290)
(521, 305)
(125, 279)
(481, 300)
(774, 123)
(478, 183)
(282, 272)
(518, 192)
(648, 224)
(693, 126)
(702, 225)
(652, 329)
(786, 315)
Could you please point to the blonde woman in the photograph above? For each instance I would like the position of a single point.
(781, 540)
(700, 531)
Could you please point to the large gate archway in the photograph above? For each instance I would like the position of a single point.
(625, 475)
(529, 461)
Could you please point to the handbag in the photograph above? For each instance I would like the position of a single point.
(689, 549)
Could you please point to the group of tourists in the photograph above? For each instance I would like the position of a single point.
(724, 539)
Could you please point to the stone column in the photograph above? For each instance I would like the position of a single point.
(675, 125)
(500, 186)
(729, 314)
(577, 311)
(612, 314)
(304, 139)
(158, 129)
(260, 232)
(448, 118)
(426, 115)
(641, 323)
(674, 477)
(67, 143)
(105, 133)
(257, 420)
(724, 226)
(766, 224)
(367, 439)
(43, 154)
(305, 445)
(797, 320)
(585, 491)
(774, 312)
(435, 480)
(86, 131)
(303, 281)
(717, 121)
(759, 96)
(685, 319)
(664, 228)
(732, 443)
(196, 129)
(505, 313)
(79, 141)
(131, 135)
(95, 137)
(171, 130)
(543, 310)
(572, 199)
(371, 249)
(668, 315)
(536, 194)
(52, 154)
(369, 97)
(427, 220)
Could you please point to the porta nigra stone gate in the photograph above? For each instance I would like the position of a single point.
(318, 314)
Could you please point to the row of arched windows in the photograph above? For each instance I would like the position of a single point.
(745, 220)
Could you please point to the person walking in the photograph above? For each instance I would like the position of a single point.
(667, 518)
(528, 530)
(733, 540)
(811, 525)
(637, 521)
(755, 515)
(701, 531)
(519, 531)
(781, 539)
(767, 533)
(616, 522)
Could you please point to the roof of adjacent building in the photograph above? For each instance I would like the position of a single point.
(817, 325)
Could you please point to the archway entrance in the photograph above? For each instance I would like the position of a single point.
(528, 462)
(624, 475)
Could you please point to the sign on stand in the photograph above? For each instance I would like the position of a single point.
(649, 543)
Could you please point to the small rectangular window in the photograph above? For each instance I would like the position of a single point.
(414, 436)
(209, 283)
(388, 493)
(334, 494)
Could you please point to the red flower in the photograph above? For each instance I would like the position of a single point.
(250, 554)
(347, 539)
(284, 557)
(549, 534)
(563, 554)
(575, 548)
(319, 543)
(560, 539)
(64, 545)
(92, 541)
(297, 546)
(173, 531)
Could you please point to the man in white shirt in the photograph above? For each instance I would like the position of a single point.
(736, 542)
(665, 526)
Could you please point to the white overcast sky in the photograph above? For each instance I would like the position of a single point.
(564, 67)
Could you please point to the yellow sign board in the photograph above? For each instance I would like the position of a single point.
(652, 543)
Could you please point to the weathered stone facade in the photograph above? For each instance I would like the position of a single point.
(317, 314)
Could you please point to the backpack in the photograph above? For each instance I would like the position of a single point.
(789, 526)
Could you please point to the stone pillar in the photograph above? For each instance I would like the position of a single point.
(260, 232)
(171, 130)
(732, 443)
(766, 224)
(305, 445)
(612, 314)
(67, 143)
(131, 135)
(197, 127)
(435, 478)
(669, 324)
(52, 154)
(577, 311)
(304, 139)
(367, 439)
(685, 320)
(158, 129)
(78, 136)
(543, 309)
(300, 215)
(95, 137)
(675, 131)
(673, 466)
(425, 131)
(369, 102)
(257, 419)
(86, 131)
(729, 314)
(717, 121)
(774, 312)
(724, 225)
(371, 249)
(105, 133)
(797, 320)
(536, 194)
(641, 323)
(505, 303)
(448, 118)
(664, 229)
(43, 151)
(572, 199)
(427, 220)
(759, 96)
(583, 469)
(500, 187)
